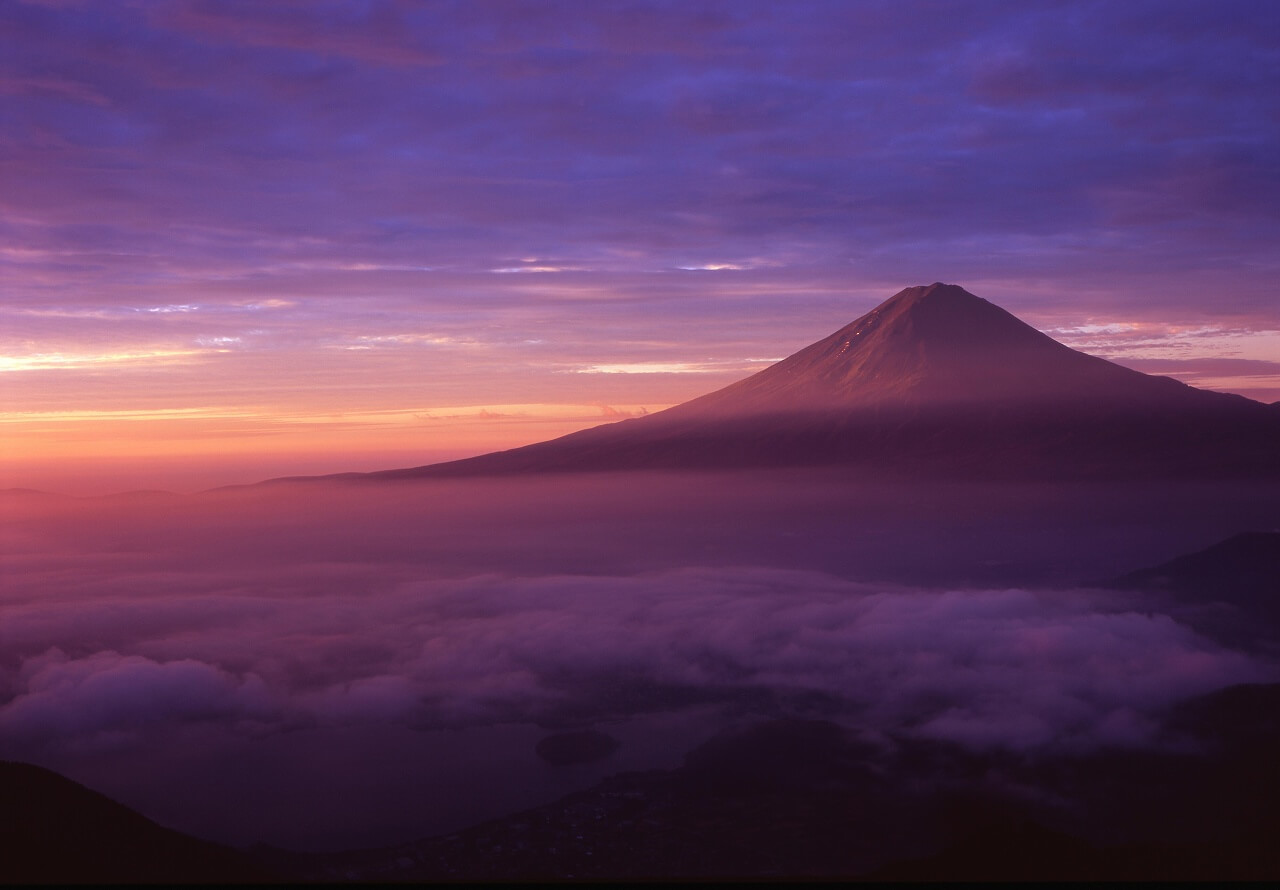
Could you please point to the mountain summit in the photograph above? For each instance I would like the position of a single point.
(933, 382)
(929, 345)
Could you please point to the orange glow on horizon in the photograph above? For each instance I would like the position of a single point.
(97, 452)
(151, 410)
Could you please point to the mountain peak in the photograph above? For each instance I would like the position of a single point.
(937, 292)
(949, 313)
(925, 344)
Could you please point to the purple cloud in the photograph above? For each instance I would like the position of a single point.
(242, 140)
(110, 694)
(163, 612)
(301, 664)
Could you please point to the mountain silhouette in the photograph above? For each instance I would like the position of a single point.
(936, 382)
(53, 830)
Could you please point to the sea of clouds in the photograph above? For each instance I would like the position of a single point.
(137, 623)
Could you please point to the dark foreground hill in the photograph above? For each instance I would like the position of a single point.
(789, 798)
(786, 798)
(934, 382)
(807, 799)
(55, 831)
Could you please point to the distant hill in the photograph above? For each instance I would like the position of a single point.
(933, 382)
(1241, 573)
(1244, 568)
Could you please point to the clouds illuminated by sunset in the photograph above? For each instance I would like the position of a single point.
(275, 237)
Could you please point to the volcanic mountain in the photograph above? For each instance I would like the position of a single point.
(937, 382)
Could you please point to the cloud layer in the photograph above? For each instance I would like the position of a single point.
(451, 606)
(1004, 669)
(329, 666)
(309, 143)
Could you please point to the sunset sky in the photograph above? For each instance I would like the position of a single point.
(245, 239)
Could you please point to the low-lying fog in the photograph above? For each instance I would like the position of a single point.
(336, 665)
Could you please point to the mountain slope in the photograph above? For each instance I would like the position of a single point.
(933, 382)
(928, 346)
(53, 830)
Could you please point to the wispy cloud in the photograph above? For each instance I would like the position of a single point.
(71, 361)
(675, 367)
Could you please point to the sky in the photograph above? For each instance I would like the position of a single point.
(245, 239)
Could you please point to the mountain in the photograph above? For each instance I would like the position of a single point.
(936, 382)
(53, 830)
(1243, 569)
(1229, 591)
